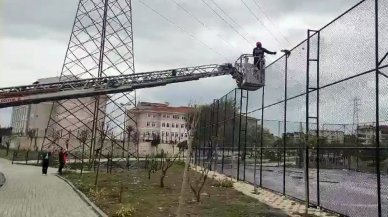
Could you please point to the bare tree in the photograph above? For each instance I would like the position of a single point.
(197, 185)
(113, 140)
(151, 165)
(192, 123)
(103, 134)
(83, 137)
(8, 142)
(31, 133)
(129, 130)
(166, 163)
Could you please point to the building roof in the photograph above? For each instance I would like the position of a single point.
(160, 107)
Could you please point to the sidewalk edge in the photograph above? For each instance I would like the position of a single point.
(95, 208)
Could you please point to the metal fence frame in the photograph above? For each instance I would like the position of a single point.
(239, 122)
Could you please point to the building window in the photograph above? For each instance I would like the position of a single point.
(168, 116)
(181, 135)
(162, 133)
(163, 124)
(182, 125)
(148, 115)
(168, 125)
(154, 116)
(175, 116)
(167, 133)
(164, 115)
(153, 124)
(148, 124)
(172, 125)
(176, 134)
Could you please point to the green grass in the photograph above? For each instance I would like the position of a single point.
(148, 199)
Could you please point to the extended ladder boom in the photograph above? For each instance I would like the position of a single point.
(69, 88)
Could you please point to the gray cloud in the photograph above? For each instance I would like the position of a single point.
(35, 35)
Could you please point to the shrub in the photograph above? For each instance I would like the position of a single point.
(98, 194)
(226, 183)
(124, 211)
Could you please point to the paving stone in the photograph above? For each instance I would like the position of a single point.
(29, 193)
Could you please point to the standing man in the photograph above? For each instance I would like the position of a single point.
(258, 54)
(61, 160)
(45, 162)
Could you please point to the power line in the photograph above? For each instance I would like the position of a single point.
(226, 14)
(258, 19)
(268, 18)
(181, 28)
(232, 27)
(200, 21)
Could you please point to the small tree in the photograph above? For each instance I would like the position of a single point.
(113, 140)
(103, 133)
(151, 165)
(31, 133)
(192, 123)
(129, 130)
(8, 142)
(155, 141)
(83, 137)
(197, 185)
(166, 164)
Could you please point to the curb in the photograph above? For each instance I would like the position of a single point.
(95, 208)
(2, 179)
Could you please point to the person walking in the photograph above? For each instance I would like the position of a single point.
(62, 160)
(45, 162)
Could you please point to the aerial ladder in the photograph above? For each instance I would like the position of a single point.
(247, 76)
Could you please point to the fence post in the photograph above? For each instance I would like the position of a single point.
(377, 107)
(306, 141)
(233, 128)
(216, 143)
(246, 130)
(255, 154)
(210, 155)
(239, 137)
(224, 134)
(262, 136)
(285, 124)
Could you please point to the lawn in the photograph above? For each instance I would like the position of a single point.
(148, 199)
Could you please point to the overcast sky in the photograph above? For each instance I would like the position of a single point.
(34, 37)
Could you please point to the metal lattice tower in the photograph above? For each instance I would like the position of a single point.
(101, 44)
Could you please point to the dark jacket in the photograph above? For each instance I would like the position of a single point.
(258, 52)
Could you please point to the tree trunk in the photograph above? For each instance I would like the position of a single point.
(162, 179)
(198, 196)
(7, 151)
(82, 157)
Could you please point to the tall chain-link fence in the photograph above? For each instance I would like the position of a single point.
(318, 130)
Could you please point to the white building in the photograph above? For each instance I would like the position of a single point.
(330, 136)
(160, 120)
(366, 135)
(67, 116)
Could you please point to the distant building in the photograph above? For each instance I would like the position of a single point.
(366, 134)
(159, 120)
(330, 136)
(67, 116)
(295, 138)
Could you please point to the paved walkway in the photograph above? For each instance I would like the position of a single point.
(28, 193)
